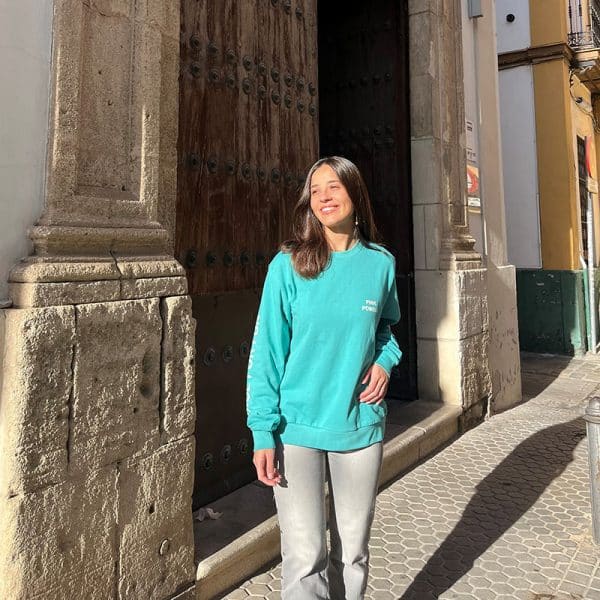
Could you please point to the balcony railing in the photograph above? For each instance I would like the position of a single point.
(584, 24)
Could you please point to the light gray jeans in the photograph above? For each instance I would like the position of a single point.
(308, 573)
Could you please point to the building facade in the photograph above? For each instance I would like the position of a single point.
(105, 327)
(547, 61)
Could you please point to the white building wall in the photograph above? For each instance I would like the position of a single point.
(488, 224)
(517, 118)
(471, 79)
(515, 35)
(25, 50)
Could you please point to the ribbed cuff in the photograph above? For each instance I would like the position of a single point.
(385, 365)
(387, 360)
(263, 440)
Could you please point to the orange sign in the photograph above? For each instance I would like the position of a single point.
(472, 180)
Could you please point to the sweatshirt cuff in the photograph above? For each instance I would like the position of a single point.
(386, 364)
(263, 440)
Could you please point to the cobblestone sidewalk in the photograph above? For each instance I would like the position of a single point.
(502, 513)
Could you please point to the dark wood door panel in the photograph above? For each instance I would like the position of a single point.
(364, 115)
(248, 133)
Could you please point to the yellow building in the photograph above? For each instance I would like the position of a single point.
(549, 84)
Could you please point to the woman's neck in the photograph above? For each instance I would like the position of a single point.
(339, 242)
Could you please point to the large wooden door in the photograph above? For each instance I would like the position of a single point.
(364, 116)
(248, 134)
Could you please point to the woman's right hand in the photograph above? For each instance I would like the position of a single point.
(264, 461)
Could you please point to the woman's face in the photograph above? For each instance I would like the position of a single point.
(330, 202)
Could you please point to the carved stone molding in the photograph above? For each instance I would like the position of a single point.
(111, 155)
(438, 130)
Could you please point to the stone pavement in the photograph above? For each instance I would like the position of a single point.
(501, 513)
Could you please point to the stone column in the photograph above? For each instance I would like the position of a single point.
(97, 406)
(450, 280)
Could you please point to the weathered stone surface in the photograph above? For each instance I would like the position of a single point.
(38, 269)
(451, 304)
(105, 129)
(91, 238)
(59, 543)
(132, 267)
(189, 594)
(156, 553)
(504, 360)
(425, 152)
(25, 295)
(169, 110)
(177, 406)
(166, 16)
(116, 382)
(66, 269)
(474, 369)
(454, 371)
(37, 350)
(153, 288)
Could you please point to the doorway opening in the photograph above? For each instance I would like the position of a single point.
(264, 90)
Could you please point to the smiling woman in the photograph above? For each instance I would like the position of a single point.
(328, 302)
(330, 202)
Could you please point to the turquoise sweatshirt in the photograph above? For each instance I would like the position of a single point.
(313, 342)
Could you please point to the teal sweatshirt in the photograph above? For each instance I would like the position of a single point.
(313, 342)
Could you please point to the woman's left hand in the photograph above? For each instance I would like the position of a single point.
(375, 392)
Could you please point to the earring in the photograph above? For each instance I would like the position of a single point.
(355, 225)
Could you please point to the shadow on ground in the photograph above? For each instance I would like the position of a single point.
(502, 498)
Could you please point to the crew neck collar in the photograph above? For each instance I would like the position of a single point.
(353, 250)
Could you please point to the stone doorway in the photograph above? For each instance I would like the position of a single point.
(260, 90)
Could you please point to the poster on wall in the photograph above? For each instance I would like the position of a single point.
(473, 197)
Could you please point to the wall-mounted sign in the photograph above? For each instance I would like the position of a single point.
(471, 141)
(473, 196)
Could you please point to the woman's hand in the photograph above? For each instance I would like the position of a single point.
(375, 392)
(264, 461)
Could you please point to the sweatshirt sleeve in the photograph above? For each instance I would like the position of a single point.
(268, 355)
(387, 351)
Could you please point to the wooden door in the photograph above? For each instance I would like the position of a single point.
(364, 116)
(248, 134)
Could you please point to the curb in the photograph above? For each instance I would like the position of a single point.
(433, 425)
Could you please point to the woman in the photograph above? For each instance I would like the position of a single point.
(318, 372)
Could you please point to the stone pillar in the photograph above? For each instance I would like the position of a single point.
(450, 280)
(503, 350)
(97, 407)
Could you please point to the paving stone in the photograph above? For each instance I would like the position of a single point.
(239, 594)
(257, 590)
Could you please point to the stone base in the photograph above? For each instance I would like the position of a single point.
(453, 336)
(97, 419)
(504, 359)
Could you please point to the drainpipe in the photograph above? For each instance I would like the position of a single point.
(592, 416)
(591, 263)
(591, 273)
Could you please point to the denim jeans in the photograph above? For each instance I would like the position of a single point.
(308, 571)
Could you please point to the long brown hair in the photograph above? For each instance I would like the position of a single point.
(308, 245)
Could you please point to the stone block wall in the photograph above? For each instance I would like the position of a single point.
(97, 450)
